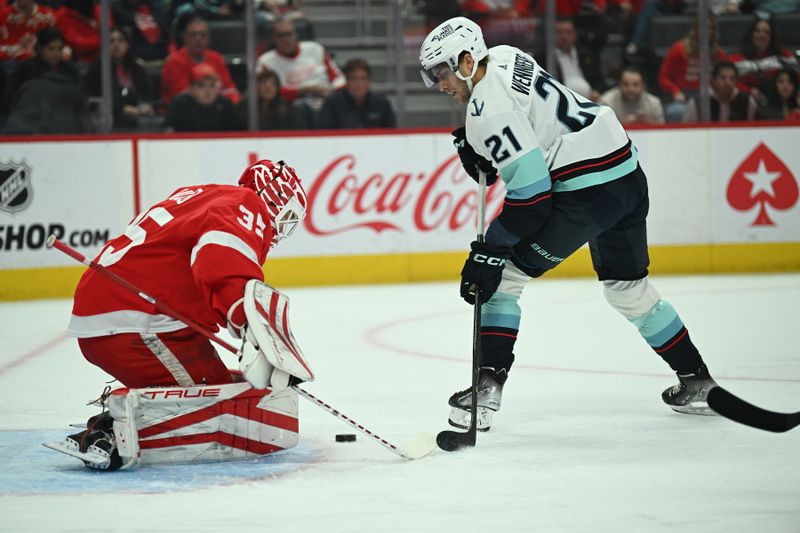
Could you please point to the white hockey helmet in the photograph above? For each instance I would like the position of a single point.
(444, 45)
(280, 189)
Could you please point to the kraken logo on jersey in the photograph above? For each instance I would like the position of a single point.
(478, 109)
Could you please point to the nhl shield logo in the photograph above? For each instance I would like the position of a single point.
(15, 186)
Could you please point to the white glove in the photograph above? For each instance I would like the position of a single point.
(254, 366)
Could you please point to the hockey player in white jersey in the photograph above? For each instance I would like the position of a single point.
(572, 176)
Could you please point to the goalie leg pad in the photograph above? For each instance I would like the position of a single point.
(203, 424)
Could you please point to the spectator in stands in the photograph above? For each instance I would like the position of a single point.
(760, 58)
(576, 67)
(630, 100)
(781, 96)
(639, 14)
(727, 102)
(679, 75)
(287, 9)
(147, 23)
(355, 105)
(79, 22)
(589, 17)
(202, 107)
(45, 95)
(265, 14)
(501, 22)
(19, 24)
(306, 71)
(274, 113)
(176, 75)
(130, 87)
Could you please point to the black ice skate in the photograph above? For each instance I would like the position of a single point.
(95, 446)
(689, 396)
(490, 392)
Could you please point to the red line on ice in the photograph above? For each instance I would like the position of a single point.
(372, 336)
(32, 354)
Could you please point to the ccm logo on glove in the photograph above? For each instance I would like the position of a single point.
(489, 260)
(483, 271)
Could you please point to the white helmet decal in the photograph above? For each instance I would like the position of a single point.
(446, 42)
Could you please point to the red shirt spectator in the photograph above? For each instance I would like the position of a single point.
(680, 70)
(760, 58)
(564, 8)
(79, 22)
(176, 75)
(19, 24)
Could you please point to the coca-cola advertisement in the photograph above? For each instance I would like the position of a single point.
(367, 195)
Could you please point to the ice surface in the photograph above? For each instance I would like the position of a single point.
(582, 443)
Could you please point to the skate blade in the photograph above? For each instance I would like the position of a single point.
(460, 418)
(86, 457)
(694, 408)
(461, 426)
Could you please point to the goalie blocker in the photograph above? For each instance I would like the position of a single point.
(188, 424)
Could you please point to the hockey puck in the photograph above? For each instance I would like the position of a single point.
(345, 437)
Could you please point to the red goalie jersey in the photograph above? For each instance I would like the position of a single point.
(194, 251)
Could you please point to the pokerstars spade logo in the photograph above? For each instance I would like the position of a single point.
(762, 179)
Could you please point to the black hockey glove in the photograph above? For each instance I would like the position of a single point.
(471, 161)
(483, 269)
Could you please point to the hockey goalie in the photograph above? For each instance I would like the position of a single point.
(201, 252)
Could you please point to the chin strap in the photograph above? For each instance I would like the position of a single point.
(468, 79)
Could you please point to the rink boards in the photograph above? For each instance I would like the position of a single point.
(389, 207)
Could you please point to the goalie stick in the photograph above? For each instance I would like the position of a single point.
(418, 446)
(738, 410)
(449, 440)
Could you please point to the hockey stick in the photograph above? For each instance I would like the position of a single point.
(419, 446)
(738, 410)
(448, 440)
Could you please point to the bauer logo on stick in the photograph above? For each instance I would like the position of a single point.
(15, 186)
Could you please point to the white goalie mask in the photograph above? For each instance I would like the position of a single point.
(279, 188)
(445, 44)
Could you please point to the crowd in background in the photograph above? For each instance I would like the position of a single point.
(756, 80)
(167, 76)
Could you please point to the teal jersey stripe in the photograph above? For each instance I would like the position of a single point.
(658, 325)
(500, 321)
(596, 178)
(502, 310)
(526, 176)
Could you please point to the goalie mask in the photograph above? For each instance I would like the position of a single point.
(279, 188)
(445, 44)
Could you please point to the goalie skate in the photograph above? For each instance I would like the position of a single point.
(95, 457)
(95, 446)
(490, 392)
(690, 395)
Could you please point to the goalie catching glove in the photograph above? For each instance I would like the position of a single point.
(270, 356)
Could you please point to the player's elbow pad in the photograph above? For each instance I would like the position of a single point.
(524, 216)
